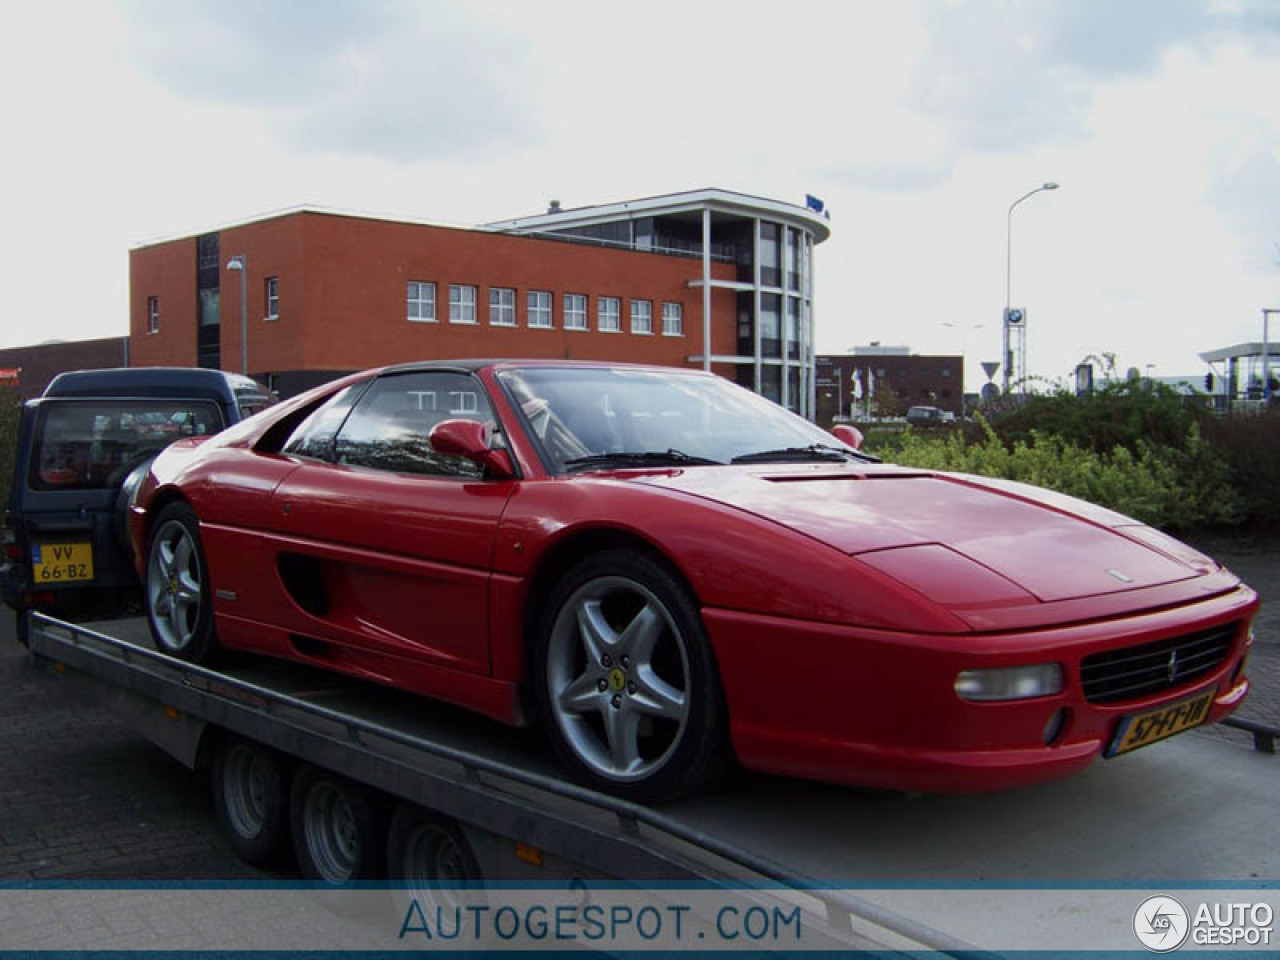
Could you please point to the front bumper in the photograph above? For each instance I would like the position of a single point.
(879, 709)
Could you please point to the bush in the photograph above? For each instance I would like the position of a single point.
(10, 410)
(1121, 413)
(1250, 448)
(1155, 483)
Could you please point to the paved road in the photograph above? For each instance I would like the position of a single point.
(82, 797)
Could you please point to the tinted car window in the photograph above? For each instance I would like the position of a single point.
(390, 425)
(314, 436)
(94, 444)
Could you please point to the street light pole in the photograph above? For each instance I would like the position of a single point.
(241, 262)
(1266, 355)
(1008, 272)
(964, 329)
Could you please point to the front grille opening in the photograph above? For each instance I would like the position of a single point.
(1140, 671)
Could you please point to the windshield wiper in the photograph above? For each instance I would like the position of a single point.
(815, 451)
(643, 458)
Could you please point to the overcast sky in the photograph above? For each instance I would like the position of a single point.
(917, 122)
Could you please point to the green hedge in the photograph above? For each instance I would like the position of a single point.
(1176, 486)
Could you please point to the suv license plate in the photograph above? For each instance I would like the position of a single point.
(61, 562)
(1139, 729)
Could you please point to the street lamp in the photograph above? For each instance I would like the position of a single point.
(1008, 273)
(964, 329)
(241, 262)
(1266, 355)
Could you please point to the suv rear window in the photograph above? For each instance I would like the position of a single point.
(92, 444)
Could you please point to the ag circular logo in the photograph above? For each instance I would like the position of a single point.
(1161, 924)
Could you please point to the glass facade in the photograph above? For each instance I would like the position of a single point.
(770, 247)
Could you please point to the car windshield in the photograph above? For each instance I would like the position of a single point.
(597, 418)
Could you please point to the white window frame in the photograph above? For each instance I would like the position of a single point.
(672, 319)
(462, 303)
(153, 314)
(502, 309)
(272, 288)
(575, 311)
(609, 314)
(539, 303)
(425, 299)
(642, 318)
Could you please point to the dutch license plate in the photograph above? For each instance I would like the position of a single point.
(1139, 729)
(61, 562)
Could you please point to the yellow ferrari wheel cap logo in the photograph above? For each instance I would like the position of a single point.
(617, 679)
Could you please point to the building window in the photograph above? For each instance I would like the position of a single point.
(770, 274)
(422, 302)
(539, 309)
(609, 314)
(672, 320)
(502, 307)
(575, 311)
(273, 298)
(153, 314)
(462, 303)
(641, 316)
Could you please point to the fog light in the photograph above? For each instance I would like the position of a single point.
(1010, 683)
(1053, 729)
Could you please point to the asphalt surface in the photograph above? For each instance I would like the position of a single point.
(81, 797)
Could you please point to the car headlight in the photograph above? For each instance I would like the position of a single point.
(1010, 683)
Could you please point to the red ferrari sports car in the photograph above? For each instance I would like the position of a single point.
(667, 570)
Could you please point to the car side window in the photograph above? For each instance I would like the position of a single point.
(390, 427)
(314, 436)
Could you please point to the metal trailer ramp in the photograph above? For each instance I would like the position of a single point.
(480, 773)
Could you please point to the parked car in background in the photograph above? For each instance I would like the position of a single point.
(665, 569)
(77, 447)
(921, 416)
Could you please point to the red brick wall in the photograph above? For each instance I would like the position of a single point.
(342, 296)
(39, 364)
(167, 271)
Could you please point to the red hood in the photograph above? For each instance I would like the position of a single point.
(1052, 546)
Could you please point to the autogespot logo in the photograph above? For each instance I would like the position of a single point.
(1161, 924)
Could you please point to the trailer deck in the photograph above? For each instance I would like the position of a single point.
(1192, 808)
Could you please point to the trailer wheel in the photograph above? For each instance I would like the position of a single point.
(429, 857)
(339, 835)
(625, 679)
(251, 796)
(178, 595)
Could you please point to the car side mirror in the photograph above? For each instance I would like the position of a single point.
(469, 439)
(850, 436)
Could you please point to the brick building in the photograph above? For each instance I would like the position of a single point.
(28, 370)
(707, 278)
(876, 381)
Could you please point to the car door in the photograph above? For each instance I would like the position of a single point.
(388, 546)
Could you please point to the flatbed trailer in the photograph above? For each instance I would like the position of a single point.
(1195, 806)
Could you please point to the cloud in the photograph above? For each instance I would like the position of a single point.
(399, 81)
(1009, 77)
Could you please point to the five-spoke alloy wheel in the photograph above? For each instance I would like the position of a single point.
(179, 599)
(626, 683)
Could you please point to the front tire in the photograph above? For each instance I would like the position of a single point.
(178, 595)
(626, 682)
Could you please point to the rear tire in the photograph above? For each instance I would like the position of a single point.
(339, 835)
(177, 590)
(430, 860)
(251, 796)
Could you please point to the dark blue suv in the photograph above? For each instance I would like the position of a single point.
(80, 449)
